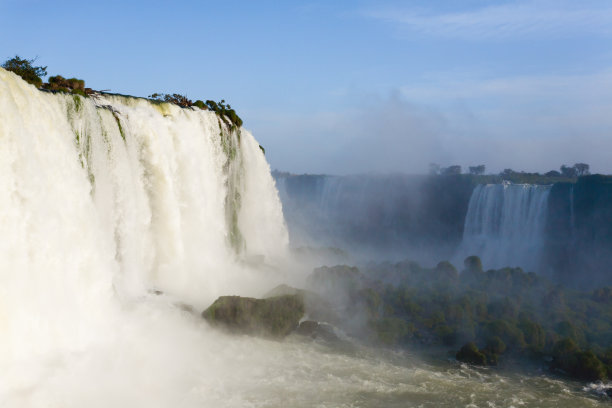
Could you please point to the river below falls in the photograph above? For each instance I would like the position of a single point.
(159, 357)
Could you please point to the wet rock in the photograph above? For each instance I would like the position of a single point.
(316, 307)
(272, 317)
(185, 307)
(282, 290)
(316, 330)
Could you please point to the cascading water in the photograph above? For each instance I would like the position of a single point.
(363, 213)
(104, 200)
(505, 225)
(108, 198)
(392, 216)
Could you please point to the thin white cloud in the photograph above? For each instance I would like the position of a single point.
(588, 89)
(531, 123)
(509, 20)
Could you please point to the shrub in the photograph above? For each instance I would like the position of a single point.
(583, 365)
(473, 264)
(61, 84)
(447, 271)
(451, 170)
(75, 83)
(477, 170)
(506, 331)
(177, 99)
(470, 354)
(225, 111)
(200, 104)
(588, 367)
(79, 92)
(535, 337)
(563, 353)
(447, 335)
(496, 345)
(568, 330)
(24, 68)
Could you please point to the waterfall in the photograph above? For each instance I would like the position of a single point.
(572, 213)
(106, 199)
(505, 225)
(370, 216)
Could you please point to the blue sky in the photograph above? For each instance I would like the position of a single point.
(355, 86)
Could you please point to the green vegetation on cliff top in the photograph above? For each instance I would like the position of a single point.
(34, 74)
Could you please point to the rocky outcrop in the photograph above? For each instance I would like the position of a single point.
(272, 317)
(315, 306)
(316, 330)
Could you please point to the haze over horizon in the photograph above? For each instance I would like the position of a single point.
(355, 87)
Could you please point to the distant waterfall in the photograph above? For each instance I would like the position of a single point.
(505, 225)
(358, 211)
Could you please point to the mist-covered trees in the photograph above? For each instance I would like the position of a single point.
(436, 169)
(451, 170)
(477, 170)
(26, 70)
(582, 169)
(577, 170)
(566, 172)
(491, 313)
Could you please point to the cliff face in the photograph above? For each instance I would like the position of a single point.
(395, 216)
(579, 231)
(107, 197)
(423, 218)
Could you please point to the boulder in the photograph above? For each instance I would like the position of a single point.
(282, 290)
(316, 330)
(273, 317)
(316, 307)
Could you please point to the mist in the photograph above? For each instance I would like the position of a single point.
(406, 129)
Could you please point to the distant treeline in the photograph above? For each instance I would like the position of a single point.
(565, 173)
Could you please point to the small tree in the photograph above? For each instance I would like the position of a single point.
(24, 68)
(569, 172)
(477, 170)
(177, 99)
(582, 169)
(451, 170)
